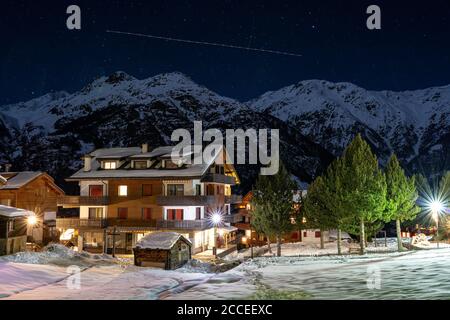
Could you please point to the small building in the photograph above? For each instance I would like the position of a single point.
(35, 191)
(13, 229)
(168, 250)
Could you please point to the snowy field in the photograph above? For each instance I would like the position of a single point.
(422, 274)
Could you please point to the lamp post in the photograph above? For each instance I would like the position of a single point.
(32, 221)
(216, 219)
(436, 208)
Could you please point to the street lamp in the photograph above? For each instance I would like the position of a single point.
(216, 220)
(436, 207)
(32, 221)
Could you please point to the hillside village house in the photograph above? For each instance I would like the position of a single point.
(13, 229)
(34, 191)
(126, 193)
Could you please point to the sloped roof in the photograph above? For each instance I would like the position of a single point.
(191, 171)
(16, 180)
(160, 240)
(12, 212)
(2, 180)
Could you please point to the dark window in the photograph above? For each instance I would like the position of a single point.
(168, 164)
(217, 169)
(304, 234)
(122, 213)
(175, 189)
(210, 190)
(146, 213)
(317, 234)
(222, 170)
(198, 189)
(147, 190)
(95, 213)
(198, 213)
(96, 190)
(140, 164)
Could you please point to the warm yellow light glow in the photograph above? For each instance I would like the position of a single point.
(244, 239)
(123, 191)
(32, 220)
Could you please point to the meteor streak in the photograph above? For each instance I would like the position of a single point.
(215, 44)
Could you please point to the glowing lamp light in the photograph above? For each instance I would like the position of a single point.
(436, 206)
(32, 220)
(216, 218)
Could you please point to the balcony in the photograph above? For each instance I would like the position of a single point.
(232, 218)
(77, 201)
(184, 224)
(189, 200)
(219, 178)
(70, 223)
(89, 224)
(233, 199)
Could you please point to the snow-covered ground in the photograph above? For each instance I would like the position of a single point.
(422, 274)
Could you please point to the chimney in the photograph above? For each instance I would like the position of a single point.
(87, 163)
(8, 167)
(144, 147)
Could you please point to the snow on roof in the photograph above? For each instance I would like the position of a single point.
(11, 212)
(194, 170)
(16, 180)
(160, 240)
(2, 180)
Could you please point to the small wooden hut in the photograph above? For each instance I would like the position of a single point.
(13, 229)
(168, 250)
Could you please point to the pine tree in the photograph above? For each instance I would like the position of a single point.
(363, 185)
(401, 196)
(273, 200)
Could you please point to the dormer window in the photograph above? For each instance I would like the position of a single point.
(109, 165)
(140, 164)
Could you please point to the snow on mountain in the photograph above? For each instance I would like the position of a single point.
(52, 132)
(316, 120)
(410, 123)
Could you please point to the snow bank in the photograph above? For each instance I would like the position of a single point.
(57, 254)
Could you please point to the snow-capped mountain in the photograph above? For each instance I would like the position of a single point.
(413, 124)
(52, 132)
(316, 119)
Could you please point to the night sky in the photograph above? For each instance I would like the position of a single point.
(39, 54)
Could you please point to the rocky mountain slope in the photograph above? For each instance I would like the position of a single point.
(413, 124)
(52, 132)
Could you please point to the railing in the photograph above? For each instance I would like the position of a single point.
(82, 201)
(234, 198)
(70, 223)
(189, 200)
(183, 224)
(242, 225)
(219, 178)
(151, 223)
(232, 218)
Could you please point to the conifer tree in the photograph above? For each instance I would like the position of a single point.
(401, 196)
(273, 200)
(362, 185)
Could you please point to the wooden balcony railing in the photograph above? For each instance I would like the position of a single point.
(82, 201)
(184, 224)
(189, 200)
(70, 223)
(234, 198)
(232, 218)
(219, 178)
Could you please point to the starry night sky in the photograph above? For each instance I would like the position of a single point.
(39, 54)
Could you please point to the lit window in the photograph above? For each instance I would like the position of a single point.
(123, 191)
(109, 165)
